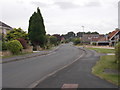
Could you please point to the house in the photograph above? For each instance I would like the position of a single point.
(4, 28)
(89, 38)
(102, 41)
(111, 39)
(114, 37)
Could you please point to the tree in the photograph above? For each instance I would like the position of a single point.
(58, 37)
(36, 29)
(76, 41)
(80, 34)
(53, 40)
(16, 33)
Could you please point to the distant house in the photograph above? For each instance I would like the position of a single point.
(103, 40)
(111, 39)
(114, 37)
(4, 28)
(89, 38)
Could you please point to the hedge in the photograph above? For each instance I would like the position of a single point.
(117, 52)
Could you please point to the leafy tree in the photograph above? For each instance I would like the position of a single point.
(71, 34)
(80, 34)
(36, 29)
(76, 41)
(17, 33)
(53, 40)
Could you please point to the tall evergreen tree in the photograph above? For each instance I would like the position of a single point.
(36, 29)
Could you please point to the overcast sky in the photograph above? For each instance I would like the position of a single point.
(62, 16)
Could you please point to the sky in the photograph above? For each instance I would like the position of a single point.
(62, 16)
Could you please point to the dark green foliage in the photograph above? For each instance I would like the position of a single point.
(94, 43)
(53, 40)
(14, 46)
(0, 45)
(4, 46)
(17, 33)
(76, 41)
(23, 42)
(36, 29)
(117, 53)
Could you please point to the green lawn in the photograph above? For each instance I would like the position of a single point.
(106, 62)
(103, 50)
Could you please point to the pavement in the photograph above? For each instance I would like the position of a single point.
(30, 55)
(79, 73)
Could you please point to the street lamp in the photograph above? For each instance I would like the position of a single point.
(83, 35)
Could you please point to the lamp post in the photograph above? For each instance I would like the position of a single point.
(82, 36)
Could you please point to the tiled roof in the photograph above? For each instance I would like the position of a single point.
(103, 39)
(113, 33)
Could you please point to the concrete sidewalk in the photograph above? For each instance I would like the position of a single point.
(34, 54)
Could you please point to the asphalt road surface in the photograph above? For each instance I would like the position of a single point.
(78, 73)
(24, 73)
(29, 72)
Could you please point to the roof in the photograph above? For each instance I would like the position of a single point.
(112, 34)
(103, 39)
(4, 25)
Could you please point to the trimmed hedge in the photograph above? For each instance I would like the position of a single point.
(14, 46)
(117, 52)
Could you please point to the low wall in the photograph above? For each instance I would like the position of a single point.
(28, 50)
(6, 53)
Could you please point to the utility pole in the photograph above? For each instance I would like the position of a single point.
(83, 35)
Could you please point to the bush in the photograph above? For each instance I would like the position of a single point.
(0, 45)
(53, 40)
(14, 46)
(76, 41)
(117, 52)
(94, 43)
(4, 46)
(23, 42)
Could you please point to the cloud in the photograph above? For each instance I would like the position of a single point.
(71, 5)
(39, 4)
(66, 5)
(93, 4)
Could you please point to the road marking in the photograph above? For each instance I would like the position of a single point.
(33, 85)
(69, 87)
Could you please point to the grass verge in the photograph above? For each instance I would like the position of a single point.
(103, 50)
(107, 62)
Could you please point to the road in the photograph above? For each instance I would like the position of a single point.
(78, 73)
(23, 73)
(29, 72)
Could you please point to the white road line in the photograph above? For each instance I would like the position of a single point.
(33, 85)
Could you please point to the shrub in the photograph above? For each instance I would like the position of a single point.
(94, 43)
(0, 45)
(4, 46)
(14, 46)
(23, 42)
(53, 40)
(76, 41)
(117, 52)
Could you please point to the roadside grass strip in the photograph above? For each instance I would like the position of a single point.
(107, 62)
(103, 50)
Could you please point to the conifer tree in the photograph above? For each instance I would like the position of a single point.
(36, 29)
